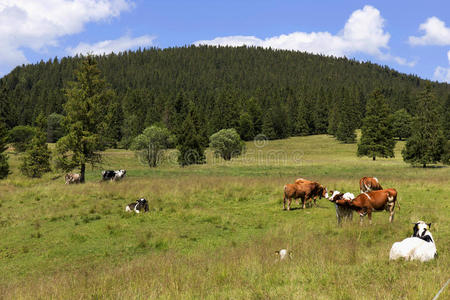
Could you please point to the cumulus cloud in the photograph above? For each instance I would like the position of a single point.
(108, 46)
(363, 33)
(39, 24)
(443, 74)
(436, 33)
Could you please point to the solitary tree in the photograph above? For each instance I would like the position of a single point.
(36, 160)
(401, 123)
(226, 143)
(376, 132)
(427, 143)
(149, 145)
(86, 108)
(4, 166)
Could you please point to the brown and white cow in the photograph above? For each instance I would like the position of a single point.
(366, 203)
(72, 178)
(303, 191)
(367, 184)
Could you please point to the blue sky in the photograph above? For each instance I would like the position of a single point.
(410, 36)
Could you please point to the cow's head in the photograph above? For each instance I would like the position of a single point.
(142, 203)
(420, 228)
(323, 192)
(334, 196)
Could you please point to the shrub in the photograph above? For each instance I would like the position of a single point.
(226, 143)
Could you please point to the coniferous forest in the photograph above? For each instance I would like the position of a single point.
(274, 92)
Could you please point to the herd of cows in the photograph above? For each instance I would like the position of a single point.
(420, 246)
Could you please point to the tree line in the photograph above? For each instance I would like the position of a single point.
(283, 101)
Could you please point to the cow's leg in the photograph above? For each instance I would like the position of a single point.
(284, 202)
(369, 215)
(289, 203)
(391, 213)
(304, 202)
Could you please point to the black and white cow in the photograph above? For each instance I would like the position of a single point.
(137, 206)
(418, 247)
(342, 212)
(113, 175)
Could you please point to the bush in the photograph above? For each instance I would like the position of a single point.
(149, 145)
(20, 137)
(226, 143)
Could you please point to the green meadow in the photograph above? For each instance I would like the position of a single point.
(212, 229)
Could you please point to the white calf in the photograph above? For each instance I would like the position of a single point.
(418, 247)
(283, 254)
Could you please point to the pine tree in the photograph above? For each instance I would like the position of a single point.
(446, 117)
(86, 108)
(427, 143)
(345, 131)
(4, 166)
(190, 144)
(401, 123)
(36, 160)
(267, 126)
(376, 133)
(246, 130)
(320, 113)
(300, 124)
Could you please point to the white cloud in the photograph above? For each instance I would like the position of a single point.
(363, 33)
(442, 74)
(106, 47)
(39, 24)
(436, 33)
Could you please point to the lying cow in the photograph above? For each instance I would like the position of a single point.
(366, 203)
(303, 191)
(418, 247)
(137, 206)
(367, 184)
(113, 175)
(72, 178)
(342, 212)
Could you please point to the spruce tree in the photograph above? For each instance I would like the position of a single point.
(300, 124)
(401, 123)
(446, 118)
(4, 166)
(427, 143)
(320, 113)
(190, 144)
(36, 160)
(86, 108)
(246, 130)
(267, 126)
(345, 131)
(376, 133)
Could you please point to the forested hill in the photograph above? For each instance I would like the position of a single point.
(281, 93)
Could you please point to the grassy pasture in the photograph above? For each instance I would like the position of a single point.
(212, 230)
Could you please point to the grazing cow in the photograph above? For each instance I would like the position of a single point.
(283, 254)
(420, 246)
(303, 191)
(113, 175)
(342, 212)
(138, 206)
(72, 178)
(366, 203)
(367, 184)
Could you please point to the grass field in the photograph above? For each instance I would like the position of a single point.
(212, 230)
